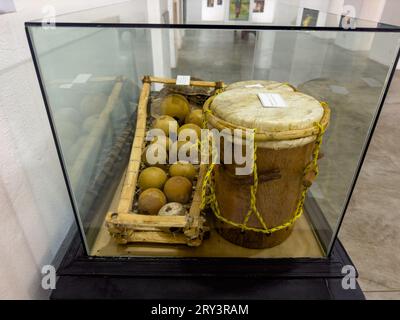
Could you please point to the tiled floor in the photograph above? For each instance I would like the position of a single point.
(370, 230)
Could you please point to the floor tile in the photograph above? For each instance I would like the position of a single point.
(394, 92)
(382, 295)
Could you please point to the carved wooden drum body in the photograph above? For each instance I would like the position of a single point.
(258, 210)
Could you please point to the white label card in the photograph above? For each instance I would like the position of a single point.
(183, 80)
(82, 78)
(272, 100)
(257, 85)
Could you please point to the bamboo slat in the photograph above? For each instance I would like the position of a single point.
(137, 220)
(195, 83)
(152, 237)
(195, 212)
(128, 189)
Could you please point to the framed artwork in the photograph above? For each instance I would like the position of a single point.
(309, 18)
(259, 6)
(239, 10)
(210, 3)
(219, 2)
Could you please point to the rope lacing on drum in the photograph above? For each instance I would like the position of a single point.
(208, 188)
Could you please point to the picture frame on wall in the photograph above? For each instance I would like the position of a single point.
(219, 2)
(239, 10)
(309, 18)
(259, 6)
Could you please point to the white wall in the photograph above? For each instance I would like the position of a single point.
(160, 40)
(7, 6)
(321, 5)
(216, 13)
(367, 10)
(371, 11)
(381, 46)
(391, 11)
(193, 11)
(384, 44)
(35, 211)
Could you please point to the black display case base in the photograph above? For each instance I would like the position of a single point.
(195, 288)
(83, 277)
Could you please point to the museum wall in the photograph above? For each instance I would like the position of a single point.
(215, 13)
(387, 16)
(390, 14)
(34, 205)
(193, 11)
(330, 10)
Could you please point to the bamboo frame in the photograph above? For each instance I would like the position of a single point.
(126, 226)
(129, 187)
(195, 83)
(150, 237)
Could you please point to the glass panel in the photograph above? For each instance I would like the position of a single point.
(91, 77)
(92, 82)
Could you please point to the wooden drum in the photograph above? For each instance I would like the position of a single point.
(287, 141)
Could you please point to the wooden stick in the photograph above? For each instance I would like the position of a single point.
(133, 221)
(193, 230)
(192, 82)
(128, 189)
(152, 237)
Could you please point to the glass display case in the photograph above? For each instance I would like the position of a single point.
(106, 85)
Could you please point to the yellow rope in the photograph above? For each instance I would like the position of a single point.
(253, 193)
(206, 200)
(209, 198)
(290, 85)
